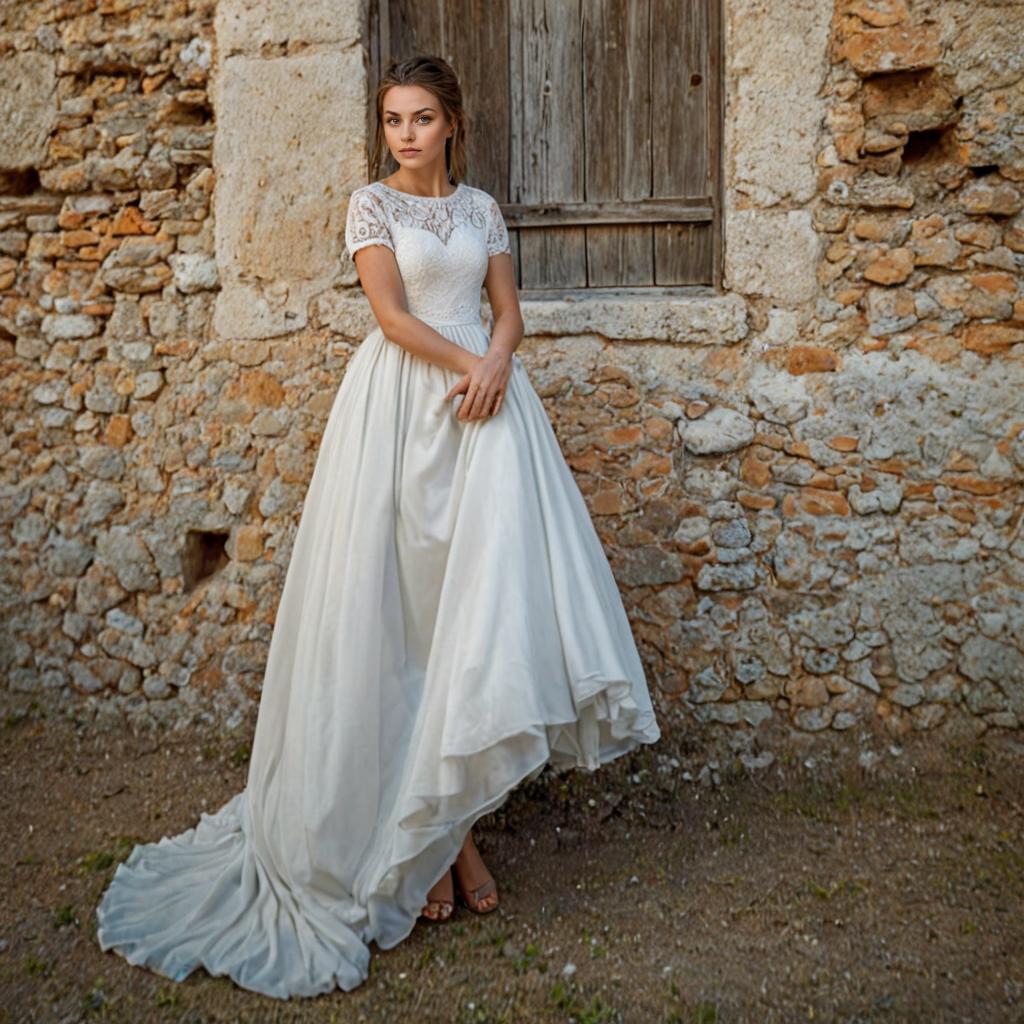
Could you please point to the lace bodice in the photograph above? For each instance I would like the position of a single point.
(441, 244)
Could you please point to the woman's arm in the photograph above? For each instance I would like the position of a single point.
(500, 283)
(382, 282)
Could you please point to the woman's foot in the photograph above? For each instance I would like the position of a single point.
(440, 899)
(476, 885)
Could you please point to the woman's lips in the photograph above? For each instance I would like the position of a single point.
(408, 152)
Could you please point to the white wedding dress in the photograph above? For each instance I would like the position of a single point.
(448, 625)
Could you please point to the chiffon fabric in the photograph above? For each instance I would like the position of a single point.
(449, 625)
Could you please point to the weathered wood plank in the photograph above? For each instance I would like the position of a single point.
(691, 253)
(716, 131)
(639, 211)
(617, 139)
(680, 70)
(477, 35)
(547, 133)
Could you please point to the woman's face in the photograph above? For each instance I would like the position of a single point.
(415, 127)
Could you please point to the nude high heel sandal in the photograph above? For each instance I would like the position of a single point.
(442, 909)
(472, 898)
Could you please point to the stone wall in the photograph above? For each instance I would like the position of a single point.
(809, 485)
(106, 284)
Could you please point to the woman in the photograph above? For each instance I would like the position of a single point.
(448, 625)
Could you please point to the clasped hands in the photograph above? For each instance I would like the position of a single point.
(483, 386)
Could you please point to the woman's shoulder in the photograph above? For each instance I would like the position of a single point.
(485, 205)
(369, 189)
(478, 195)
(367, 197)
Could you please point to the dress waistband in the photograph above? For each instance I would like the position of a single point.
(436, 322)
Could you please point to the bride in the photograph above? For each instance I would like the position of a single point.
(448, 625)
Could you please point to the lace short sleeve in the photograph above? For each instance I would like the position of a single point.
(366, 223)
(497, 233)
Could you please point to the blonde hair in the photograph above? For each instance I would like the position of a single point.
(438, 76)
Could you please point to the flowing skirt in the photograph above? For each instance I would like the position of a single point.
(448, 625)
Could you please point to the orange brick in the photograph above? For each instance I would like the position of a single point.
(817, 502)
(774, 441)
(248, 543)
(894, 48)
(627, 435)
(658, 428)
(607, 502)
(963, 514)
(755, 501)
(651, 464)
(119, 430)
(994, 283)
(844, 443)
(960, 463)
(129, 221)
(587, 462)
(811, 359)
(754, 472)
(925, 489)
(74, 239)
(972, 484)
(992, 338)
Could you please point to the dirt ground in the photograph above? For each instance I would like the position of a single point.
(802, 893)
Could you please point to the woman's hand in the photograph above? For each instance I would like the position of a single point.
(484, 386)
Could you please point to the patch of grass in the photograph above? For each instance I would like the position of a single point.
(734, 773)
(705, 1012)
(65, 915)
(829, 801)
(97, 860)
(734, 835)
(94, 1000)
(568, 998)
(1008, 860)
(910, 799)
(728, 880)
(830, 890)
(594, 946)
(240, 754)
(818, 800)
(474, 1013)
(124, 845)
(528, 959)
(977, 756)
(166, 997)
(33, 964)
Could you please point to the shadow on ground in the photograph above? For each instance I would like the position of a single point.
(804, 893)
